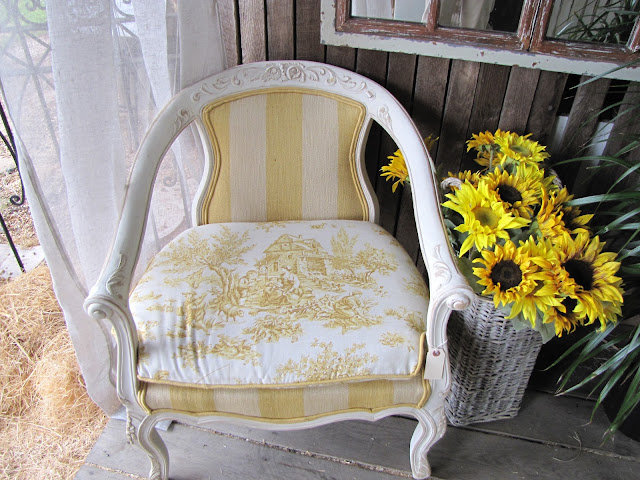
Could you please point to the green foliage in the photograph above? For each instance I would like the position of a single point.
(608, 23)
(617, 221)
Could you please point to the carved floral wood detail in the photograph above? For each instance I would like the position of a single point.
(117, 278)
(284, 72)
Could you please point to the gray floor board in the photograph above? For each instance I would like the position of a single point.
(90, 472)
(200, 454)
(548, 440)
(467, 455)
(563, 420)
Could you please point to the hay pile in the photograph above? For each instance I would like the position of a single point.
(48, 423)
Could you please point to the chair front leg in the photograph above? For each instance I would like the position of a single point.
(431, 427)
(144, 434)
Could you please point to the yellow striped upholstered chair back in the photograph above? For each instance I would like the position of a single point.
(283, 153)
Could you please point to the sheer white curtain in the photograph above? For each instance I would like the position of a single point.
(81, 80)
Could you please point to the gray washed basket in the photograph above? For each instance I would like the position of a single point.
(490, 364)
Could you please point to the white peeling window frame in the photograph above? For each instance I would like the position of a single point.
(527, 47)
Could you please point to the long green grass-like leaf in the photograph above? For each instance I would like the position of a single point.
(629, 241)
(619, 220)
(628, 226)
(599, 158)
(585, 356)
(630, 269)
(612, 364)
(629, 253)
(629, 147)
(629, 171)
(630, 400)
(599, 336)
(605, 197)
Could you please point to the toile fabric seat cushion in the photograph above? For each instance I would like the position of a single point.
(280, 304)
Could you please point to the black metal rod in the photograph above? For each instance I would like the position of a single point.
(10, 143)
(11, 244)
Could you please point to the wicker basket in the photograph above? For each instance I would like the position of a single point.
(490, 364)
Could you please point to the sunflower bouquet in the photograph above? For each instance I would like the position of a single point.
(520, 241)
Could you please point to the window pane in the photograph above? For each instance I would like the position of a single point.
(404, 10)
(602, 21)
(499, 15)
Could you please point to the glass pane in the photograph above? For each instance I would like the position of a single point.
(404, 10)
(601, 21)
(499, 15)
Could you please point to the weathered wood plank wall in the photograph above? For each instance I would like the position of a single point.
(450, 99)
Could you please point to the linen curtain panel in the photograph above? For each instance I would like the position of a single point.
(81, 81)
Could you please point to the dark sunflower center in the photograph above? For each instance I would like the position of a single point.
(486, 217)
(569, 304)
(581, 272)
(506, 273)
(509, 194)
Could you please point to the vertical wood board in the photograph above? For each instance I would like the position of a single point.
(487, 106)
(343, 57)
(229, 20)
(518, 99)
(308, 46)
(545, 105)
(429, 94)
(457, 112)
(400, 80)
(372, 64)
(280, 29)
(581, 125)
(625, 130)
(253, 35)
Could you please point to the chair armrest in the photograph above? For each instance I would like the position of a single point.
(108, 299)
(448, 287)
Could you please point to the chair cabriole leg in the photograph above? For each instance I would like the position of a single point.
(150, 441)
(427, 432)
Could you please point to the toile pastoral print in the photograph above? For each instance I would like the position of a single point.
(280, 303)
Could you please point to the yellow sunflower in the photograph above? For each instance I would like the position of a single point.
(518, 191)
(485, 220)
(512, 276)
(588, 275)
(556, 219)
(520, 148)
(485, 143)
(464, 176)
(397, 169)
(481, 141)
(563, 316)
(430, 142)
(534, 172)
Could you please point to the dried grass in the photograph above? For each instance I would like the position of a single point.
(48, 423)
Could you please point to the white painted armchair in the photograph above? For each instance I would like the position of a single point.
(286, 306)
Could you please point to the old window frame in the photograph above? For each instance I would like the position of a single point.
(527, 47)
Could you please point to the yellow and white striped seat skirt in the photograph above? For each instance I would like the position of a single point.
(288, 404)
(284, 154)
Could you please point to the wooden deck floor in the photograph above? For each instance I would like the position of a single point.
(551, 438)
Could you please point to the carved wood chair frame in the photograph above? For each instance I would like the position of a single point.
(108, 299)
